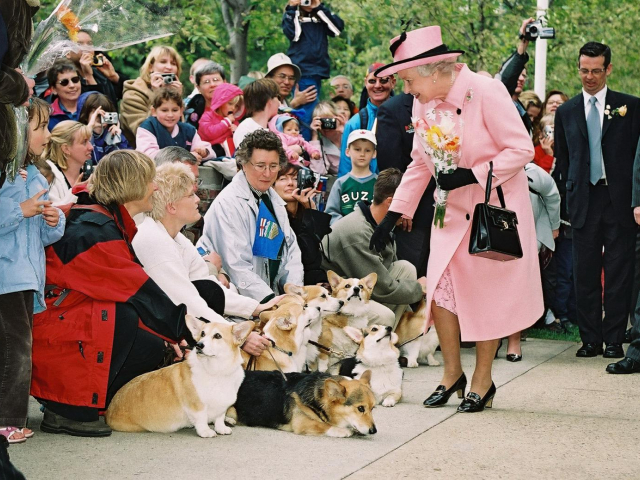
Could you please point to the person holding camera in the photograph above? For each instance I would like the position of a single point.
(326, 135)
(308, 24)
(162, 68)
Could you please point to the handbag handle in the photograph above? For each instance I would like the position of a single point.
(487, 191)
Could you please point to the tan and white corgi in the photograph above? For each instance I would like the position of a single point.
(417, 349)
(195, 392)
(314, 296)
(355, 294)
(377, 354)
(288, 328)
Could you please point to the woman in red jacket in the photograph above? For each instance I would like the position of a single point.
(106, 320)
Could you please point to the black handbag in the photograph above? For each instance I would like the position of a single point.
(494, 230)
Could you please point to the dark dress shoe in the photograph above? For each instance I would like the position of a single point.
(589, 350)
(627, 336)
(54, 423)
(624, 366)
(473, 403)
(441, 395)
(613, 350)
(513, 357)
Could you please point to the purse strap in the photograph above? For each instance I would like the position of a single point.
(487, 191)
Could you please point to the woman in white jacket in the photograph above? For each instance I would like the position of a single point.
(175, 264)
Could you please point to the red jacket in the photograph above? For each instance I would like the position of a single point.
(215, 128)
(90, 271)
(542, 159)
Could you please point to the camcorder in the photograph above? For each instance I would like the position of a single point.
(536, 30)
(169, 78)
(87, 169)
(309, 179)
(328, 123)
(548, 131)
(98, 60)
(110, 118)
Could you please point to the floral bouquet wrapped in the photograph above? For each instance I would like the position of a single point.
(442, 144)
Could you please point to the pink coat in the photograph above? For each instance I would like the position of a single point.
(494, 299)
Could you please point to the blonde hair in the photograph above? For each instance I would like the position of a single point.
(154, 55)
(325, 108)
(174, 181)
(121, 177)
(64, 133)
(548, 119)
(444, 66)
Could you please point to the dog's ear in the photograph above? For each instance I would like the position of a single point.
(241, 331)
(394, 338)
(370, 280)
(292, 289)
(354, 333)
(285, 323)
(366, 378)
(266, 315)
(194, 325)
(334, 279)
(334, 391)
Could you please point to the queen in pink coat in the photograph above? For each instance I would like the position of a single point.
(472, 120)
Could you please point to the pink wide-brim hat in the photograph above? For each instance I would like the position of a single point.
(415, 48)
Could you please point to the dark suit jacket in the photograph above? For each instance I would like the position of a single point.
(619, 142)
(394, 134)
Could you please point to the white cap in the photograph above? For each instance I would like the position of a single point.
(280, 59)
(362, 135)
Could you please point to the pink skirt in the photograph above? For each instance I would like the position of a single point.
(444, 296)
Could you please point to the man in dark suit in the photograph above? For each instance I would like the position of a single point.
(394, 135)
(596, 135)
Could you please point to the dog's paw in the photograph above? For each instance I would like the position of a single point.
(432, 361)
(389, 402)
(412, 364)
(206, 432)
(230, 421)
(223, 430)
(339, 432)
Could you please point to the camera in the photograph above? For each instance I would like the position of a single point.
(110, 118)
(309, 179)
(305, 3)
(87, 169)
(98, 60)
(536, 30)
(548, 131)
(169, 78)
(328, 123)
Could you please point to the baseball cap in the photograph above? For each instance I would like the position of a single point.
(280, 59)
(362, 135)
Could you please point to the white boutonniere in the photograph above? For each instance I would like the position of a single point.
(621, 111)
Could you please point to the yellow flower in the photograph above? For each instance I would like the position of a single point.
(622, 110)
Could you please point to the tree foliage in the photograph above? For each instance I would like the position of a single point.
(485, 29)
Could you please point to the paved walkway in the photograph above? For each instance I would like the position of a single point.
(554, 416)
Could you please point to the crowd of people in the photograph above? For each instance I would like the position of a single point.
(97, 271)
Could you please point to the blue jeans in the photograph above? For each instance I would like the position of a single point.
(565, 301)
(303, 84)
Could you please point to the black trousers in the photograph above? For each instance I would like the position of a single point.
(602, 230)
(135, 352)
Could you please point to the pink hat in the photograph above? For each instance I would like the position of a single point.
(415, 48)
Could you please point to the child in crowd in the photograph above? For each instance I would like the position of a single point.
(94, 108)
(298, 150)
(543, 156)
(29, 223)
(164, 128)
(220, 121)
(358, 184)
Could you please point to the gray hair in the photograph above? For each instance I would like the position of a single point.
(444, 66)
(260, 140)
(174, 154)
(342, 76)
(210, 68)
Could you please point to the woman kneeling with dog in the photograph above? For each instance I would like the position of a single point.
(106, 320)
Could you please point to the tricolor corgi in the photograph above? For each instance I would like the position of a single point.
(417, 349)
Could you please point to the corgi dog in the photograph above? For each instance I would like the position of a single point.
(306, 403)
(288, 328)
(377, 354)
(195, 392)
(417, 349)
(314, 296)
(355, 294)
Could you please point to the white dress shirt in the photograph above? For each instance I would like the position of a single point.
(601, 97)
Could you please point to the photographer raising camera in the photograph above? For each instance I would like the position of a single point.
(326, 135)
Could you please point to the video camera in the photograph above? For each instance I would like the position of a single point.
(536, 30)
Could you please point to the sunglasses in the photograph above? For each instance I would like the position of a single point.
(383, 81)
(64, 82)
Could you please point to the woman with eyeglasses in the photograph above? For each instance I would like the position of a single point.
(248, 225)
(554, 99)
(66, 85)
(207, 78)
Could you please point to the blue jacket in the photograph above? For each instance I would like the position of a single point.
(354, 124)
(22, 240)
(309, 47)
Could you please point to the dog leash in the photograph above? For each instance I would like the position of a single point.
(337, 353)
(284, 377)
(409, 341)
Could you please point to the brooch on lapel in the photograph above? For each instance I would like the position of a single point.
(621, 111)
(469, 96)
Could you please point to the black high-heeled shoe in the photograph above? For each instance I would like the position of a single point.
(498, 349)
(473, 403)
(441, 394)
(513, 357)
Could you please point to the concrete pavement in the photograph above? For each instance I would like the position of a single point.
(553, 416)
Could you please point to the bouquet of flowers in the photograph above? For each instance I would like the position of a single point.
(442, 144)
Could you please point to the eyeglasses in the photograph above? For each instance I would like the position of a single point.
(199, 182)
(346, 86)
(211, 80)
(282, 76)
(595, 71)
(383, 81)
(555, 102)
(261, 167)
(65, 81)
